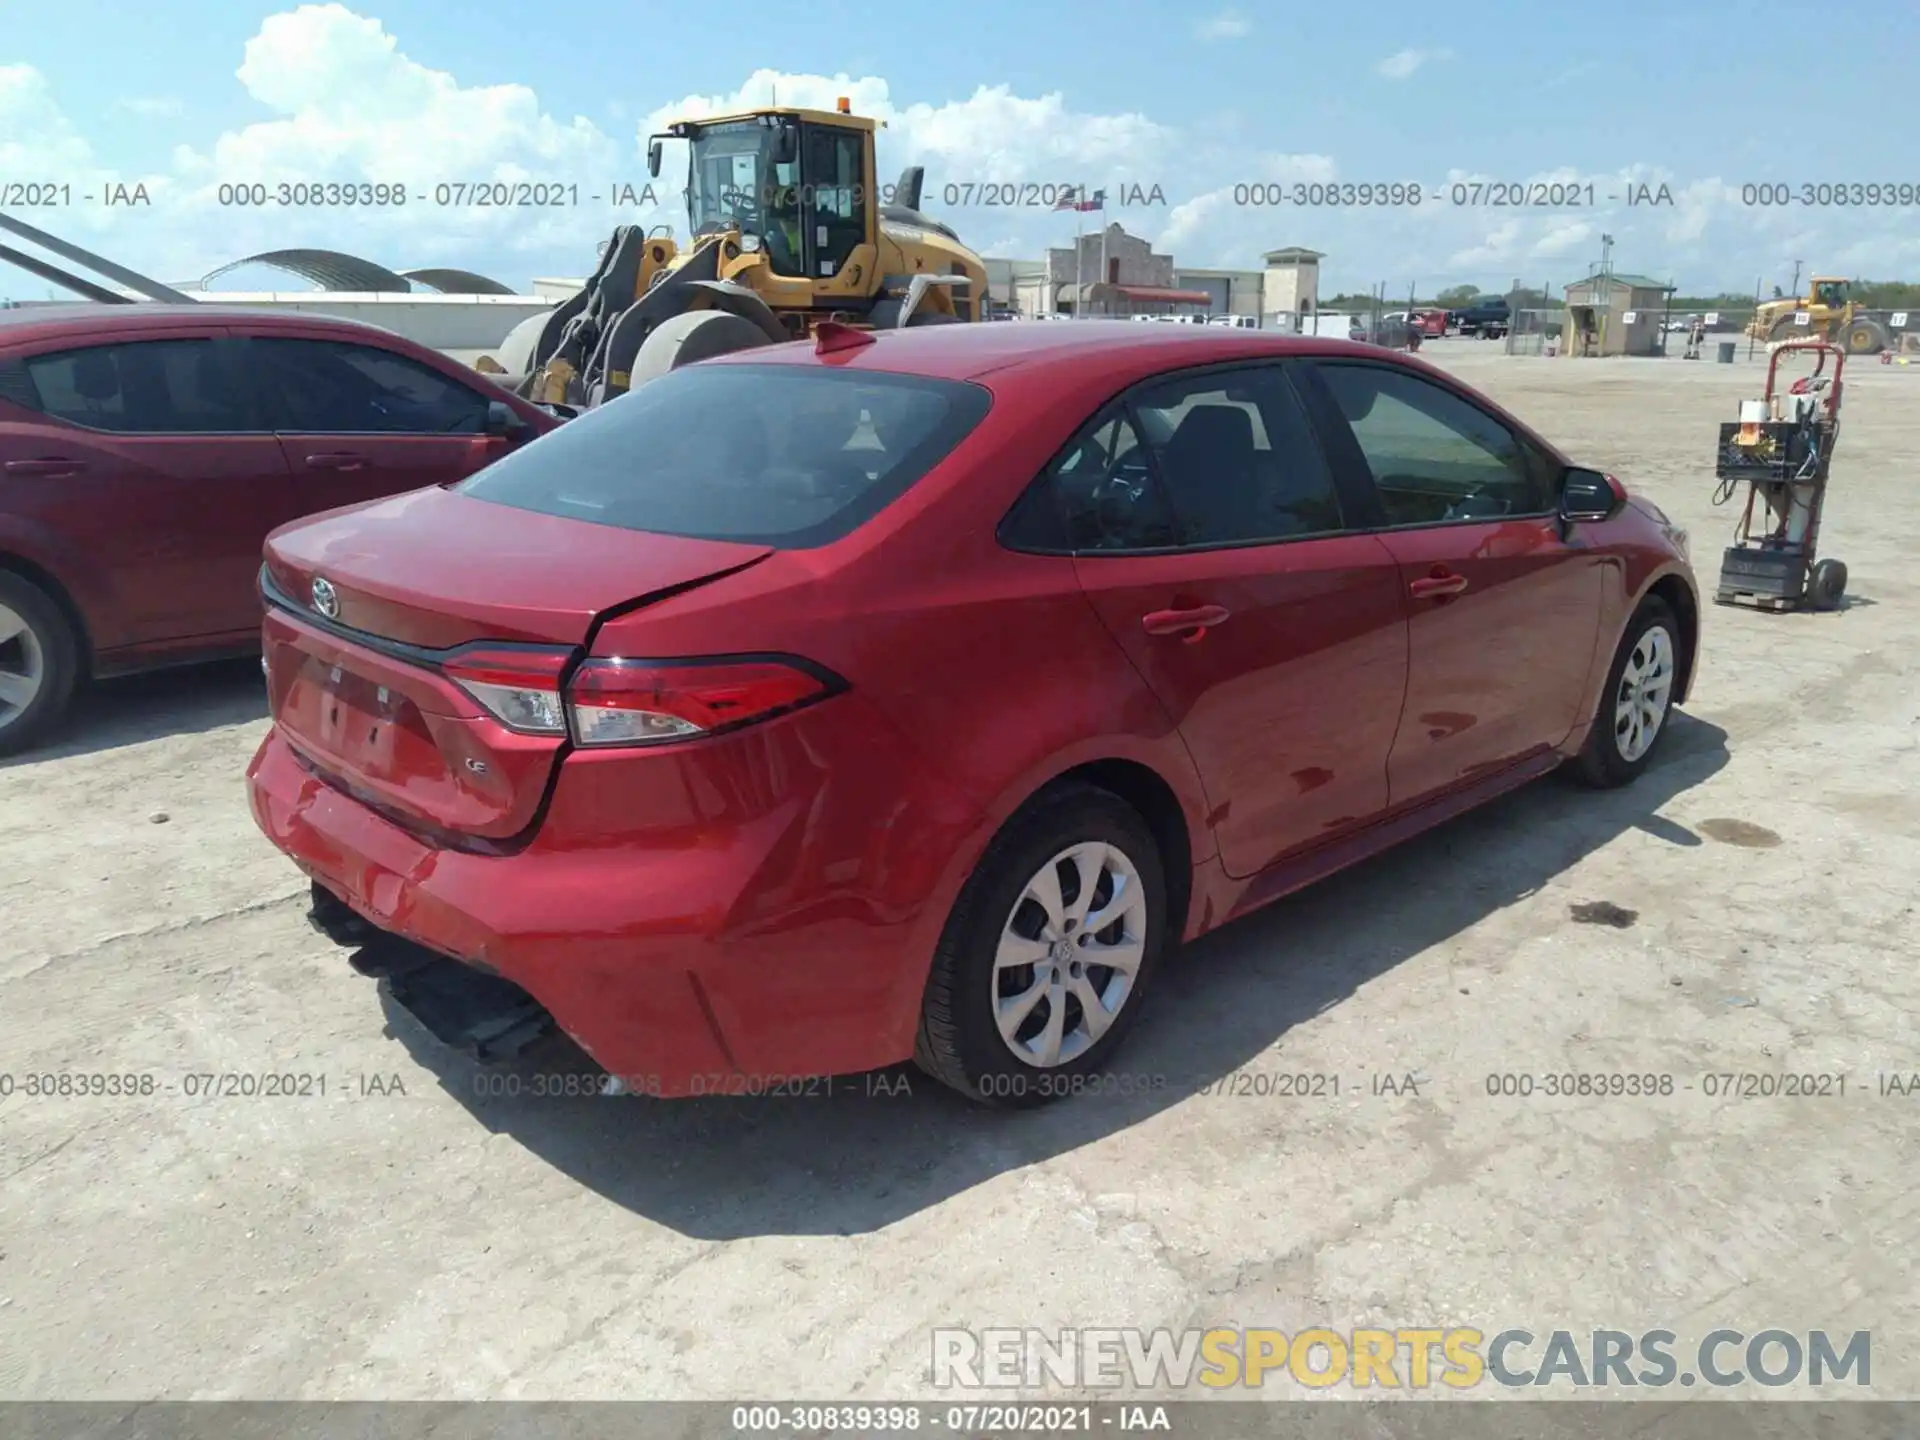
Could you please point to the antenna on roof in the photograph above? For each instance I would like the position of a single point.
(830, 336)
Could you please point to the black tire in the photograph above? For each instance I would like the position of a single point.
(932, 317)
(690, 337)
(1862, 337)
(1827, 584)
(1785, 329)
(959, 1042)
(1602, 763)
(55, 650)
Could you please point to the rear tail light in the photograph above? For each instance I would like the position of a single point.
(633, 702)
(519, 688)
(652, 702)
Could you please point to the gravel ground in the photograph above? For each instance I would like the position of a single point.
(406, 1236)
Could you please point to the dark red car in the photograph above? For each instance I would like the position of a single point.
(147, 450)
(812, 708)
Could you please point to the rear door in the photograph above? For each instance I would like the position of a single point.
(1505, 609)
(360, 422)
(150, 459)
(1211, 537)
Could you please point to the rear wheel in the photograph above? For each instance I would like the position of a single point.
(1827, 584)
(1044, 960)
(39, 663)
(1637, 700)
(1862, 337)
(690, 337)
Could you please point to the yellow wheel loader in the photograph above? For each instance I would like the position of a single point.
(1831, 315)
(788, 229)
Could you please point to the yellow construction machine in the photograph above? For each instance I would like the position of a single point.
(788, 229)
(1830, 314)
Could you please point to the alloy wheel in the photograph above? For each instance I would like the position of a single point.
(1069, 954)
(23, 665)
(1646, 687)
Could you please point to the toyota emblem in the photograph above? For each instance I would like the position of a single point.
(325, 601)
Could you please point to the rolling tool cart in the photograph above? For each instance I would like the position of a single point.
(1781, 448)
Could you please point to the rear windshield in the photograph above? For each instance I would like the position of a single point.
(783, 455)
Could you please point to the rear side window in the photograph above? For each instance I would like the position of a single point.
(780, 455)
(338, 388)
(1238, 458)
(140, 387)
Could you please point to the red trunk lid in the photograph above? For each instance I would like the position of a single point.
(421, 575)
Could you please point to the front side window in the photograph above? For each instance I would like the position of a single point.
(140, 387)
(1434, 457)
(731, 176)
(782, 455)
(735, 183)
(333, 387)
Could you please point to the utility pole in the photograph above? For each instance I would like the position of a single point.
(1605, 288)
(1795, 291)
(1103, 239)
(1079, 251)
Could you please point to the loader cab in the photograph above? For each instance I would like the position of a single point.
(1830, 293)
(800, 188)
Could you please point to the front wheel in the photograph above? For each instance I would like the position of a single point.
(1043, 963)
(39, 663)
(1637, 700)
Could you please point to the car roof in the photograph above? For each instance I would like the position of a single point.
(972, 351)
(91, 317)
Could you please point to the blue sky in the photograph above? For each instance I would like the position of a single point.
(185, 95)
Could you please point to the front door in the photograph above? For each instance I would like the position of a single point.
(1211, 540)
(1505, 608)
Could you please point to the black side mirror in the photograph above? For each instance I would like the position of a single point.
(786, 145)
(504, 420)
(1589, 495)
(653, 158)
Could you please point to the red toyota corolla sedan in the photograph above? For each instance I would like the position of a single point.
(909, 694)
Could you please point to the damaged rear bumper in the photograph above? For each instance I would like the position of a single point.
(486, 1016)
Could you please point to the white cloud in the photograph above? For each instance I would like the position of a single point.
(341, 99)
(992, 135)
(1227, 25)
(35, 138)
(1402, 63)
(1249, 207)
(1497, 248)
(352, 106)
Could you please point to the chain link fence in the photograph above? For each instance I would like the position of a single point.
(1534, 332)
(1545, 331)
